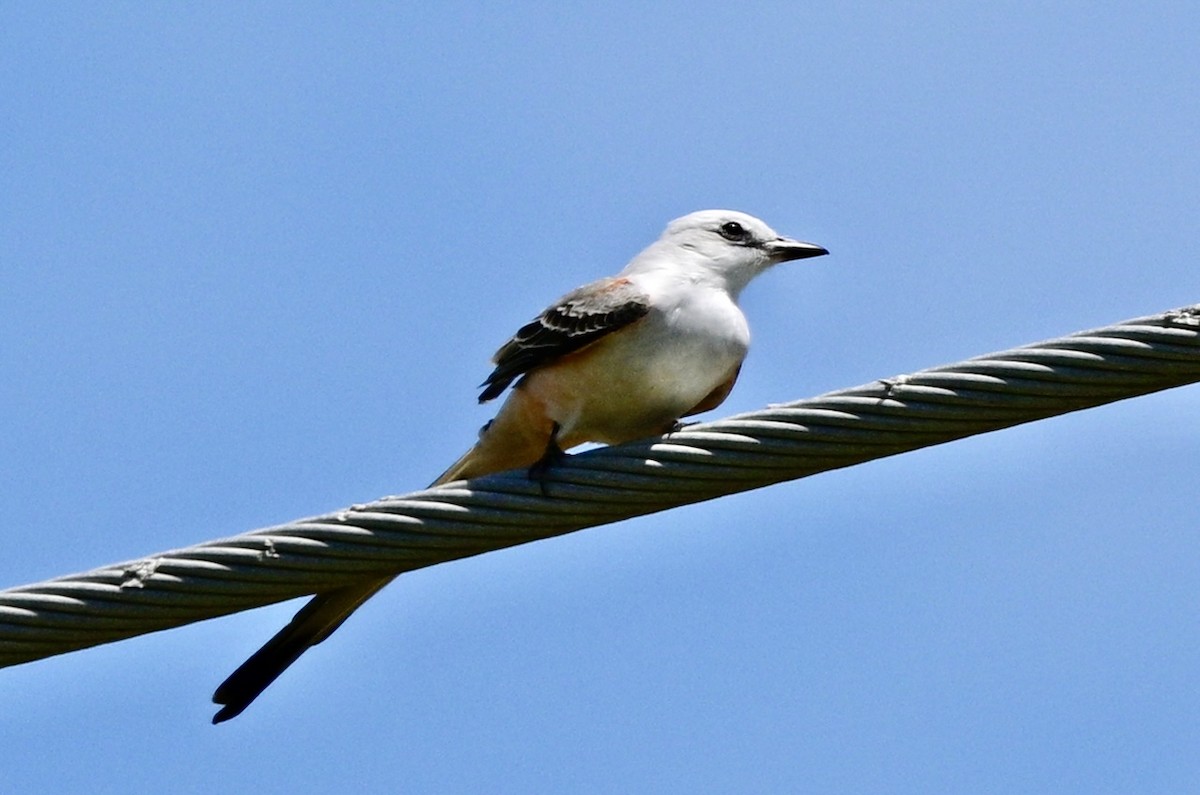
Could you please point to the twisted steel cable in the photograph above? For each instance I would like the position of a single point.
(699, 462)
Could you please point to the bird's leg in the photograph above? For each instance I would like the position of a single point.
(552, 456)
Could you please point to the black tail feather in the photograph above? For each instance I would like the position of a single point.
(316, 621)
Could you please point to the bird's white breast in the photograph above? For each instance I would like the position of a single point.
(691, 340)
(637, 381)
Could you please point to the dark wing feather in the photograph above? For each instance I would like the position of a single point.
(577, 319)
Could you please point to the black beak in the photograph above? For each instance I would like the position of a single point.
(784, 249)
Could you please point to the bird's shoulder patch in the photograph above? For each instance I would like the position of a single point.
(579, 318)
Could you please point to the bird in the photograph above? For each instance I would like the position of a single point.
(622, 358)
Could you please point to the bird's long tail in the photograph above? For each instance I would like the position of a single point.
(516, 438)
(315, 622)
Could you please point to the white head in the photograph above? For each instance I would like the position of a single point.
(732, 247)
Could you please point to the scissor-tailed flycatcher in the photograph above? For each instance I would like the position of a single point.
(619, 359)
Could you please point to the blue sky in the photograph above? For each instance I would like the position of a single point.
(255, 258)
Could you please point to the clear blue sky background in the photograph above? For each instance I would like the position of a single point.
(254, 259)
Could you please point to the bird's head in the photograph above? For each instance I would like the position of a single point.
(732, 246)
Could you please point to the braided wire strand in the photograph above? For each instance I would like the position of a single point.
(700, 462)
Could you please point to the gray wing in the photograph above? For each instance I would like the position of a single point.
(577, 319)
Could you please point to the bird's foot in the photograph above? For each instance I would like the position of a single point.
(679, 425)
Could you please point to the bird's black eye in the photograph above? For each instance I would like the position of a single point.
(733, 231)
